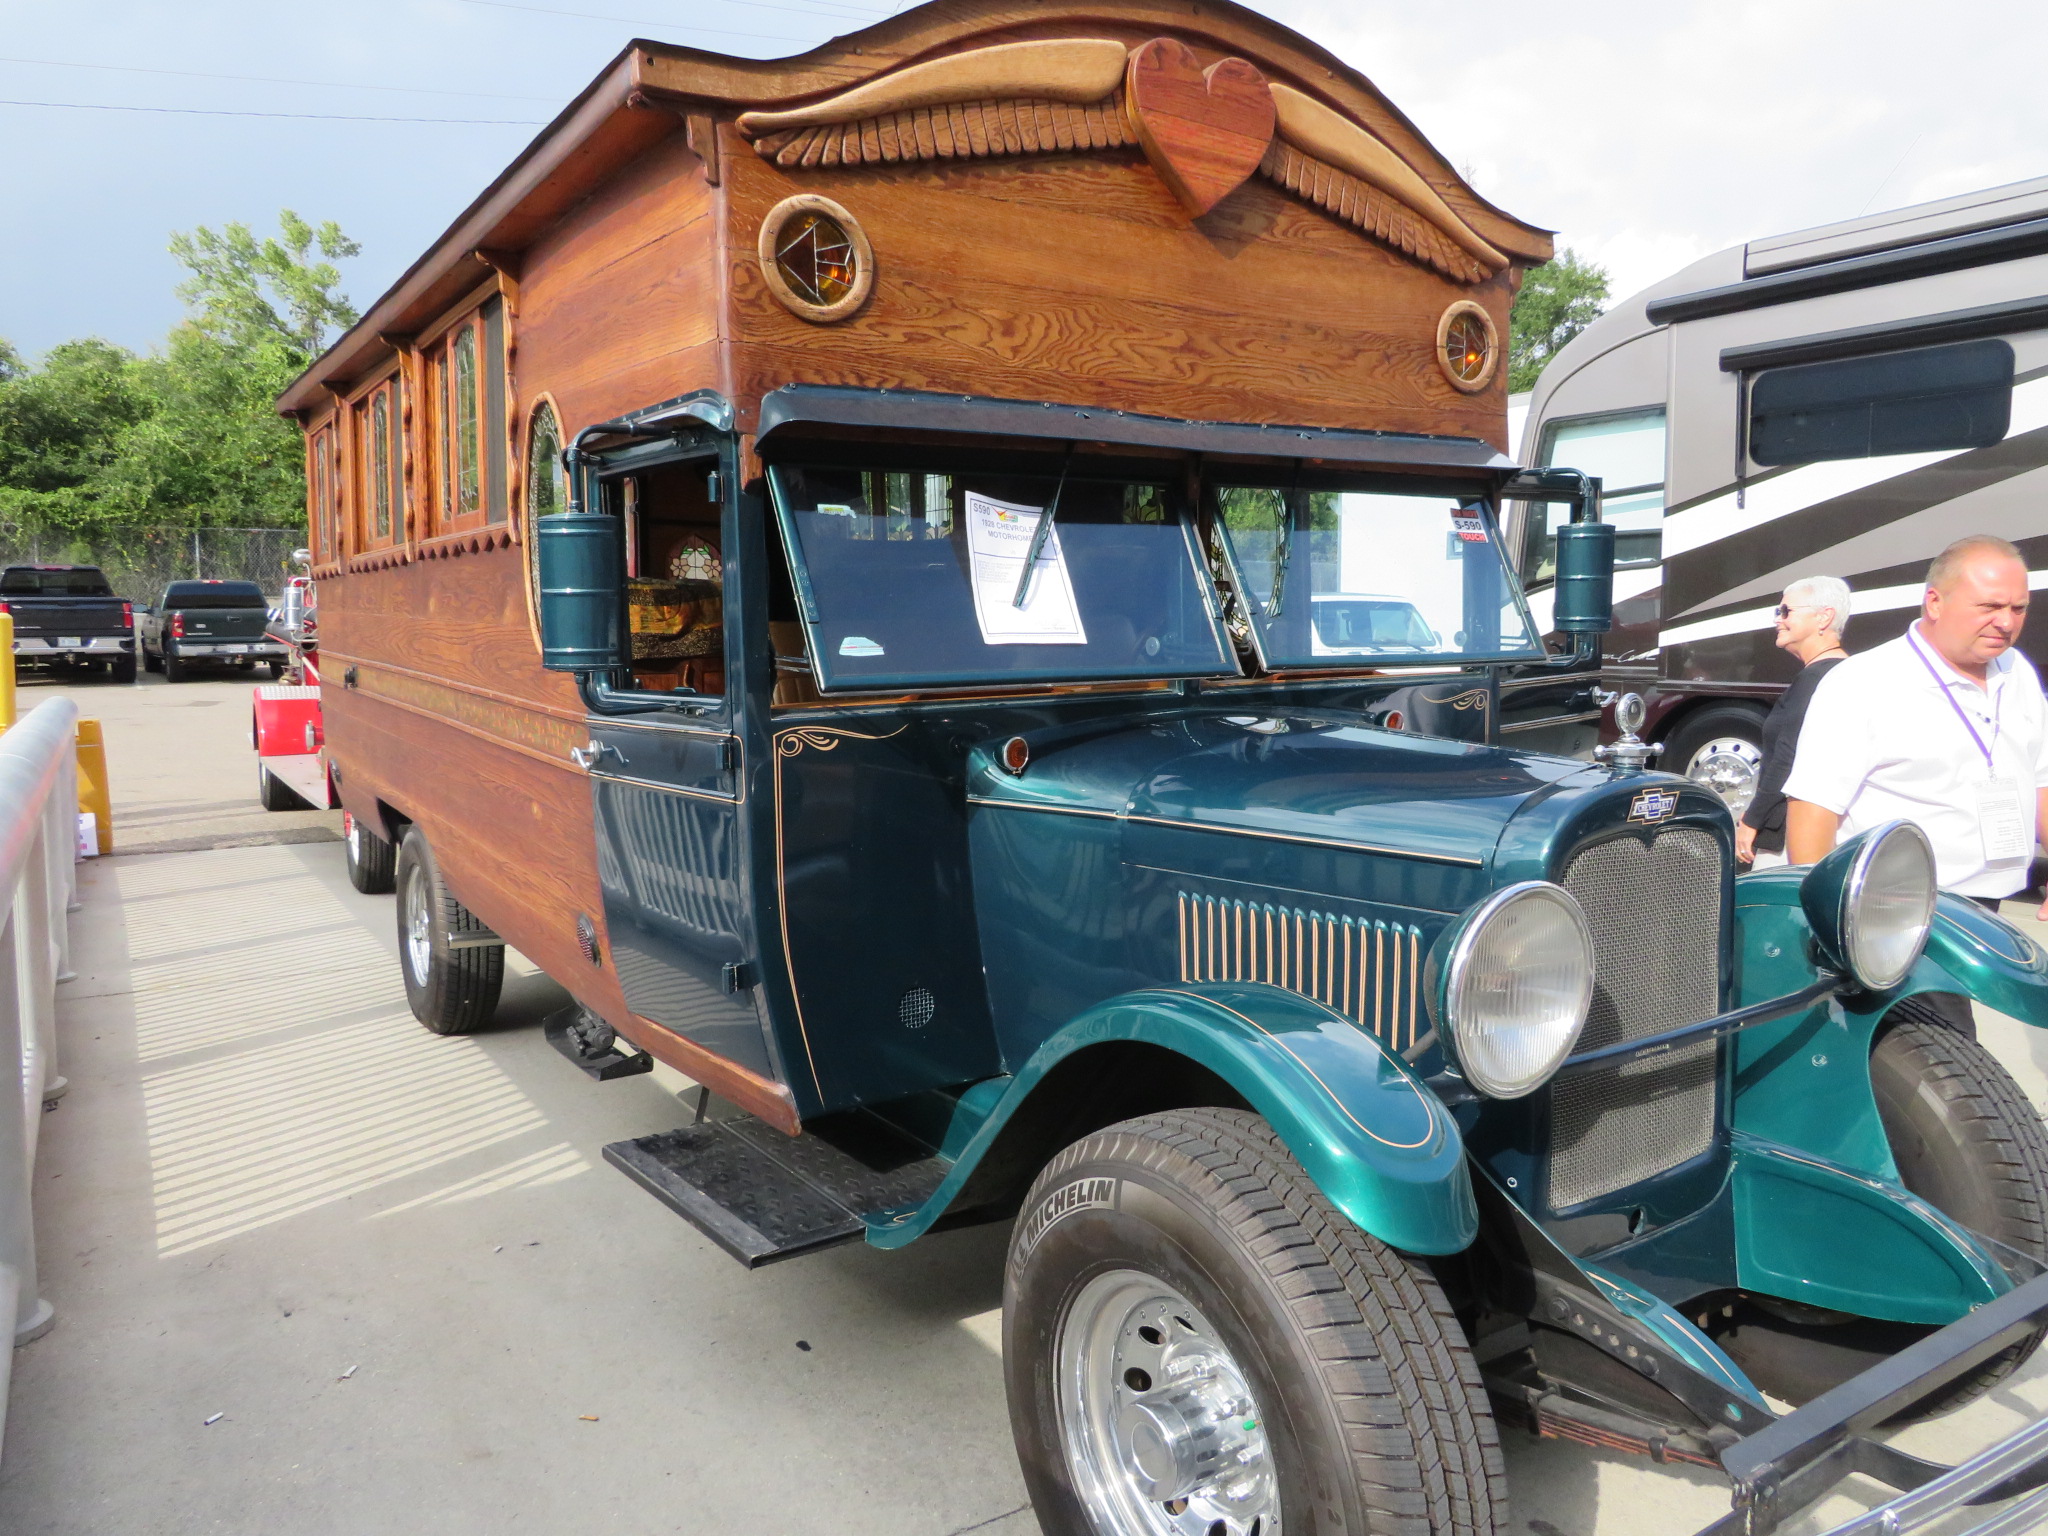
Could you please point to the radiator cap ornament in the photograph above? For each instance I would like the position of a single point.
(1631, 752)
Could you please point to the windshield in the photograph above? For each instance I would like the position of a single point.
(213, 594)
(1329, 573)
(915, 578)
(26, 581)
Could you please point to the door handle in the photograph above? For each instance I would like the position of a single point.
(593, 755)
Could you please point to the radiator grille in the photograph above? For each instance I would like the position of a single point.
(1366, 970)
(1655, 912)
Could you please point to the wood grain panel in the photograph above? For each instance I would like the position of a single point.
(1079, 279)
(619, 305)
(462, 618)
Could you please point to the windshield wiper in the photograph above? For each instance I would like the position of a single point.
(1039, 534)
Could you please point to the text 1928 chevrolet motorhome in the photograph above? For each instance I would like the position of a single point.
(949, 588)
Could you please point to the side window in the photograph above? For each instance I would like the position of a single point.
(320, 494)
(1927, 400)
(464, 377)
(379, 470)
(1626, 452)
(544, 487)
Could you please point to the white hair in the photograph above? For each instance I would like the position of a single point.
(1822, 592)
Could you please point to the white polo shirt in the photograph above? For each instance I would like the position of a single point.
(1898, 734)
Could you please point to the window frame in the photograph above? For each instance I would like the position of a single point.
(378, 489)
(1533, 525)
(452, 450)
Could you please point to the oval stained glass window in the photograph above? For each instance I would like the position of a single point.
(547, 491)
(816, 258)
(1467, 346)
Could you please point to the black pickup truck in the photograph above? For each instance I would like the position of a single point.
(209, 621)
(67, 615)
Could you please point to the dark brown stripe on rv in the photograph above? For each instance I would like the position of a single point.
(1696, 581)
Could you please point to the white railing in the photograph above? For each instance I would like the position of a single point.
(38, 887)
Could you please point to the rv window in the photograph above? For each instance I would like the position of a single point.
(912, 578)
(1626, 452)
(1923, 401)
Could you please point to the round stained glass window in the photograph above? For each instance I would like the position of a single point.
(1467, 346)
(816, 258)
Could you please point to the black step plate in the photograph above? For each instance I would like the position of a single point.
(748, 1204)
(763, 1196)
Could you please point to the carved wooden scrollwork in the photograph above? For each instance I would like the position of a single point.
(1204, 130)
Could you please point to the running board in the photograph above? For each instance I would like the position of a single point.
(764, 1196)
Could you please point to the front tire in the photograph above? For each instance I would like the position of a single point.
(451, 986)
(1196, 1341)
(372, 862)
(1968, 1143)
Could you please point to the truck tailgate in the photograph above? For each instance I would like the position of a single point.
(61, 616)
(224, 623)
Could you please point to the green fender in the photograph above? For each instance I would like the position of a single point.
(1982, 956)
(1375, 1140)
(1820, 1215)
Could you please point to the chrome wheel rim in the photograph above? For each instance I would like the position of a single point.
(1728, 765)
(419, 935)
(1161, 1434)
(353, 836)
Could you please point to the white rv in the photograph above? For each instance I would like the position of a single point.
(1841, 401)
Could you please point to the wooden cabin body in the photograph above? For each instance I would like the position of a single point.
(1026, 242)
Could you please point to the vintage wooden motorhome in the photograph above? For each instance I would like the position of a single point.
(950, 588)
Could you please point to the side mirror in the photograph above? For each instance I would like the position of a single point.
(1584, 601)
(579, 557)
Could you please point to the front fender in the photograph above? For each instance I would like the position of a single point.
(1375, 1140)
(1973, 952)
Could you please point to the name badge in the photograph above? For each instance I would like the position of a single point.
(2003, 822)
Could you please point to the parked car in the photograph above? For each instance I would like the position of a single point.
(1370, 624)
(219, 622)
(68, 615)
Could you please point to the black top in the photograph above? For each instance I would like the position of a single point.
(1781, 743)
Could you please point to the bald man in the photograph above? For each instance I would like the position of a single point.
(1944, 726)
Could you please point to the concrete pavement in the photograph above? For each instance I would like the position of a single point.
(397, 1269)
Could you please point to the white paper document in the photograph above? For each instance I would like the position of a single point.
(998, 540)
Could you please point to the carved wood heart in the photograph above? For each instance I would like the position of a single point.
(1203, 131)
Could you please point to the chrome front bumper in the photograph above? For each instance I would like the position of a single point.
(1790, 1464)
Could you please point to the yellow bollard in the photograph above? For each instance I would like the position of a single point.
(94, 793)
(6, 670)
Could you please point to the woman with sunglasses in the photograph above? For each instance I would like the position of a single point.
(1810, 621)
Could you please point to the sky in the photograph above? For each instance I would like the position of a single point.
(1646, 134)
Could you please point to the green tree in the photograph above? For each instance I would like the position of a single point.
(61, 426)
(248, 291)
(1558, 300)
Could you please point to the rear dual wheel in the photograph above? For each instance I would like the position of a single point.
(372, 862)
(1197, 1343)
(453, 965)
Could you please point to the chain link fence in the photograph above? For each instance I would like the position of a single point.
(140, 562)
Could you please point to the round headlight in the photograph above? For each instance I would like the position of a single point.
(1516, 986)
(1887, 905)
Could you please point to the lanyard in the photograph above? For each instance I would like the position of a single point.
(1997, 711)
